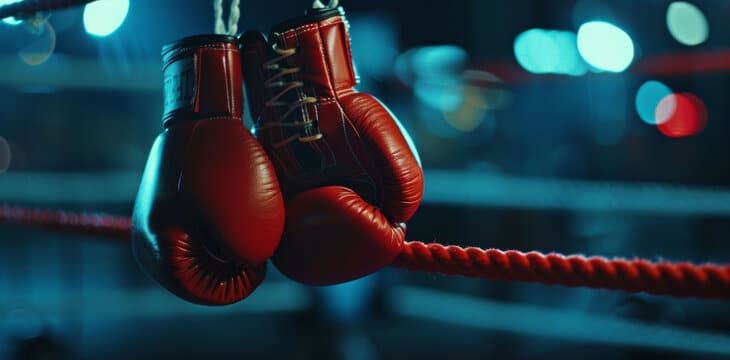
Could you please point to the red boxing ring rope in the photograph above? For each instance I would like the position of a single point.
(95, 224)
(661, 278)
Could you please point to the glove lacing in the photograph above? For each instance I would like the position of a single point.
(278, 81)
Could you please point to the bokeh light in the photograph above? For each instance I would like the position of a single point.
(536, 51)
(443, 94)
(472, 113)
(433, 71)
(102, 18)
(666, 108)
(430, 62)
(647, 99)
(438, 60)
(548, 52)
(570, 61)
(10, 20)
(5, 155)
(605, 46)
(682, 115)
(39, 44)
(687, 23)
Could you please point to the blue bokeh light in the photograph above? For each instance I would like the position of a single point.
(648, 97)
(549, 52)
(570, 61)
(438, 60)
(536, 51)
(443, 94)
(102, 18)
(605, 46)
(435, 74)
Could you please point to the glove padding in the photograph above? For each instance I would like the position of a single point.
(330, 228)
(203, 228)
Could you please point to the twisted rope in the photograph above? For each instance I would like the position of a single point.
(96, 224)
(233, 17)
(637, 275)
(662, 278)
(28, 8)
(318, 4)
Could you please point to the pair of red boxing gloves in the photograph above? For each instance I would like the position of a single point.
(323, 189)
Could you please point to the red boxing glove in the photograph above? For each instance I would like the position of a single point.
(349, 172)
(209, 212)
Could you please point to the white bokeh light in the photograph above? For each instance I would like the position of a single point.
(10, 20)
(103, 17)
(605, 46)
(687, 23)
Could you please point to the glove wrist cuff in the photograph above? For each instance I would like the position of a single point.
(202, 78)
(321, 42)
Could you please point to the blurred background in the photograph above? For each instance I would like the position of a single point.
(594, 127)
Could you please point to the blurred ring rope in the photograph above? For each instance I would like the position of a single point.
(637, 275)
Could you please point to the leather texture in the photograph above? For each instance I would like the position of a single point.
(344, 228)
(209, 212)
(349, 191)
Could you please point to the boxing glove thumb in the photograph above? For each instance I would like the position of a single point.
(332, 227)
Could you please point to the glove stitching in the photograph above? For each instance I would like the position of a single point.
(299, 30)
(344, 117)
(176, 53)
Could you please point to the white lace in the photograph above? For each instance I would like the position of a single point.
(278, 81)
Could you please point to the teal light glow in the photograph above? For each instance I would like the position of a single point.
(536, 51)
(102, 18)
(647, 99)
(548, 52)
(605, 46)
(11, 20)
(687, 23)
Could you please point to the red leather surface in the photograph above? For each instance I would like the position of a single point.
(323, 50)
(392, 157)
(333, 236)
(370, 162)
(220, 87)
(209, 212)
(228, 177)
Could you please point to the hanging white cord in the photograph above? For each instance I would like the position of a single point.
(233, 17)
(319, 5)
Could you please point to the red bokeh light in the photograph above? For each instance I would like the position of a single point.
(681, 115)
